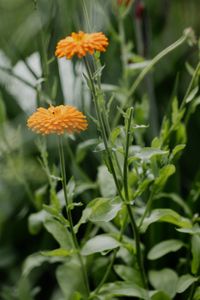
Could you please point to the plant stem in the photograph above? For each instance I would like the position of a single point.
(111, 165)
(153, 62)
(109, 268)
(68, 211)
(127, 201)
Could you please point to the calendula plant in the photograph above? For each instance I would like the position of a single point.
(112, 234)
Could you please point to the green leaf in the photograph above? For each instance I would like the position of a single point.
(70, 280)
(99, 243)
(128, 274)
(158, 295)
(114, 134)
(24, 289)
(194, 230)
(59, 232)
(164, 174)
(195, 254)
(36, 260)
(177, 199)
(83, 148)
(165, 215)
(184, 282)
(177, 149)
(164, 280)
(100, 210)
(197, 294)
(121, 288)
(192, 95)
(106, 182)
(36, 220)
(148, 152)
(58, 252)
(164, 248)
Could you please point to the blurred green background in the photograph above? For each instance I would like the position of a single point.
(30, 75)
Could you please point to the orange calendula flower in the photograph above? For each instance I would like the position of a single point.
(80, 44)
(57, 119)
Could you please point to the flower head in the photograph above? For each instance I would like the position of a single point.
(57, 119)
(80, 44)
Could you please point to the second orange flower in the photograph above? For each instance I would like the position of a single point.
(80, 44)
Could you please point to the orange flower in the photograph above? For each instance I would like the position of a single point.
(80, 44)
(57, 119)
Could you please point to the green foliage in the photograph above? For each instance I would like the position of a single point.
(123, 201)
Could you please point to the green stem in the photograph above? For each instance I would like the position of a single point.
(127, 202)
(109, 268)
(68, 211)
(153, 62)
(147, 69)
(111, 165)
(147, 209)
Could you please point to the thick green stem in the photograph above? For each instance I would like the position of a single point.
(68, 211)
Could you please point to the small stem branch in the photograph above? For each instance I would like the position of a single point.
(68, 211)
(154, 61)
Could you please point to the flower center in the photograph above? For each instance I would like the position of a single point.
(78, 37)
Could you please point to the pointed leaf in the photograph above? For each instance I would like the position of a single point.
(165, 215)
(164, 248)
(185, 282)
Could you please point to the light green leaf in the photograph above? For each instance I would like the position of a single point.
(164, 280)
(36, 220)
(184, 282)
(100, 210)
(148, 152)
(177, 149)
(106, 182)
(70, 279)
(195, 254)
(164, 248)
(36, 260)
(59, 232)
(128, 274)
(177, 199)
(114, 134)
(165, 215)
(192, 95)
(58, 252)
(194, 230)
(121, 288)
(99, 243)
